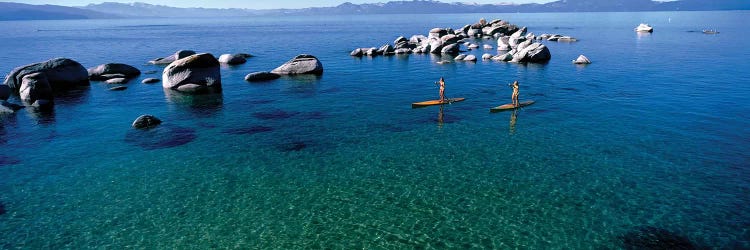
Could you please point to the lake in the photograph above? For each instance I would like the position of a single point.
(649, 143)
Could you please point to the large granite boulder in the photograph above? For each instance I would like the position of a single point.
(437, 33)
(104, 71)
(194, 73)
(232, 59)
(180, 54)
(4, 92)
(261, 76)
(451, 49)
(35, 86)
(61, 73)
(534, 53)
(301, 64)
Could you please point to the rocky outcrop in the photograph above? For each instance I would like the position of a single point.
(61, 73)
(582, 60)
(35, 87)
(192, 74)
(301, 64)
(261, 76)
(146, 121)
(232, 59)
(180, 54)
(112, 70)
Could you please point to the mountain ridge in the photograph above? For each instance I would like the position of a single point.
(18, 11)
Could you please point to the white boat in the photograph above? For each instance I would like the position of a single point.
(644, 27)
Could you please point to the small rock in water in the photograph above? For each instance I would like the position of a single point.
(146, 121)
(582, 60)
(261, 76)
(150, 80)
(2, 209)
(117, 81)
(118, 88)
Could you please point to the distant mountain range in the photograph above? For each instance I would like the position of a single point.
(16, 11)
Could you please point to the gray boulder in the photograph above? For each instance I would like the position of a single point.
(450, 39)
(261, 76)
(451, 49)
(150, 80)
(35, 87)
(193, 74)
(386, 49)
(146, 121)
(403, 51)
(180, 54)
(534, 53)
(118, 88)
(61, 73)
(301, 64)
(582, 60)
(400, 39)
(358, 52)
(435, 45)
(486, 56)
(470, 58)
(460, 57)
(232, 59)
(4, 92)
(437, 33)
(102, 72)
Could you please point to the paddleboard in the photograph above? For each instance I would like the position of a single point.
(510, 106)
(436, 102)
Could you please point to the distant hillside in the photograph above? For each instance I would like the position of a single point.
(150, 10)
(18, 11)
(15, 11)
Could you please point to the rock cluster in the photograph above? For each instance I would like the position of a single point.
(113, 73)
(36, 82)
(518, 45)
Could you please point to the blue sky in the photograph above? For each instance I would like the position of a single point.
(251, 4)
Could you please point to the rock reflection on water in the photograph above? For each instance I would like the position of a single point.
(202, 105)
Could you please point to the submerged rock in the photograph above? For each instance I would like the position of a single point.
(192, 74)
(301, 64)
(160, 137)
(118, 88)
(104, 71)
(61, 73)
(261, 76)
(655, 238)
(150, 80)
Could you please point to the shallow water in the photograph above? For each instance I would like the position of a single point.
(654, 134)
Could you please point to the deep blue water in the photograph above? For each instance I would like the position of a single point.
(654, 135)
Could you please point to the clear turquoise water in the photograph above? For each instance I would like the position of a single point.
(654, 133)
